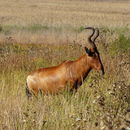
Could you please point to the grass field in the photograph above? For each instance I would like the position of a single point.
(42, 33)
(57, 21)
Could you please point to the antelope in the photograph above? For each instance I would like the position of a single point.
(53, 80)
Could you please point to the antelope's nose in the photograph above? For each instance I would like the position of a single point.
(101, 69)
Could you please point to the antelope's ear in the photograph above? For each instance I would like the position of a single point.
(87, 51)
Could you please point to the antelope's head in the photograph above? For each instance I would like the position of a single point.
(94, 59)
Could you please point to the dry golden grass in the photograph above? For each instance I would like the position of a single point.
(101, 103)
(62, 17)
(65, 13)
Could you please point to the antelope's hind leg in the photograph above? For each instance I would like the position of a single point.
(74, 87)
(32, 92)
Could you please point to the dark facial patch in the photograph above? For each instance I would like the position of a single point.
(89, 52)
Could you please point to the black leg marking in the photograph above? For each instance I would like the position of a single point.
(28, 93)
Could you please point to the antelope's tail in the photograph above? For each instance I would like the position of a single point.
(28, 93)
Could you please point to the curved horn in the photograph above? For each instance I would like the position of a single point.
(89, 38)
(97, 32)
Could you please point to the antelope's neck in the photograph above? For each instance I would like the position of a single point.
(83, 64)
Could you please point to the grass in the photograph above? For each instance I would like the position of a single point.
(121, 45)
(53, 21)
(100, 103)
(35, 34)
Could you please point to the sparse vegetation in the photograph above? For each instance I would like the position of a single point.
(101, 103)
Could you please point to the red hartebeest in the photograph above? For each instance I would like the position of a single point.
(54, 79)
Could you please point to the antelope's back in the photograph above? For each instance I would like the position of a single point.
(49, 80)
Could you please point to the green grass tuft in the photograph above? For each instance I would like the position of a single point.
(121, 45)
